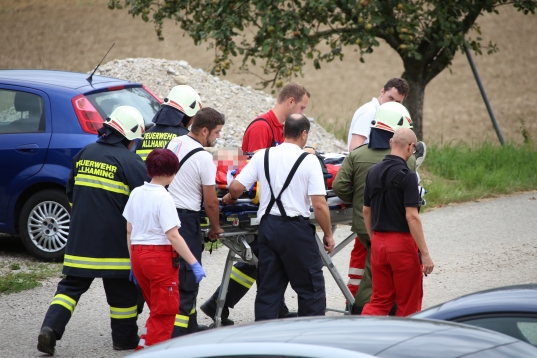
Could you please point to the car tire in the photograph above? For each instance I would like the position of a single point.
(44, 224)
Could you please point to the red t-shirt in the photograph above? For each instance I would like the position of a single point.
(259, 134)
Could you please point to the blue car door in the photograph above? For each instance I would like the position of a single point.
(25, 131)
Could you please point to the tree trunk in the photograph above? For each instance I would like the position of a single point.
(414, 103)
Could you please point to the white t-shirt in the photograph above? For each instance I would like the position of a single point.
(308, 180)
(361, 121)
(151, 212)
(186, 188)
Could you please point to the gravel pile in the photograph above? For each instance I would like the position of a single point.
(239, 104)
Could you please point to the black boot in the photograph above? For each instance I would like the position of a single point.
(126, 345)
(209, 308)
(46, 341)
(356, 310)
(285, 313)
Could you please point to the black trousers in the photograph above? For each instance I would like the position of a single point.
(120, 295)
(242, 281)
(186, 320)
(288, 253)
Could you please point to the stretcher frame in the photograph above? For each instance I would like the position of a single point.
(237, 240)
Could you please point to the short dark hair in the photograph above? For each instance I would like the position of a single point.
(399, 84)
(294, 125)
(294, 90)
(161, 163)
(208, 118)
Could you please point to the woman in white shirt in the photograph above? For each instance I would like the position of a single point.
(154, 244)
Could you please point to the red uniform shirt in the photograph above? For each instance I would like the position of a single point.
(259, 134)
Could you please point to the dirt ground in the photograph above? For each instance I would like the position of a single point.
(75, 34)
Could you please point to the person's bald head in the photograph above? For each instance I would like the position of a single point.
(403, 142)
(294, 125)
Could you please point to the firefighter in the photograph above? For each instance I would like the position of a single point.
(350, 181)
(172, 119)
(101, 179)
(195, 181)
(263, 132)
(288, 250)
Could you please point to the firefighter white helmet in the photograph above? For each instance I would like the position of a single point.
(128, 121)
(185, 99)
(391, 116)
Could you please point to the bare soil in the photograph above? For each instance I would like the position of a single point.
(75, 34)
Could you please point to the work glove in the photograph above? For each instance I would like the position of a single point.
(132, 277)
(198, 270)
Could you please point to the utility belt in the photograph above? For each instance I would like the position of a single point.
(167, 248)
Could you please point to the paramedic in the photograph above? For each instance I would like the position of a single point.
(288, 250)
(398, 246)
(194, 182)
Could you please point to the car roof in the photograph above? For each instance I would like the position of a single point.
(519, 298)
(378, 336)
(71, 80)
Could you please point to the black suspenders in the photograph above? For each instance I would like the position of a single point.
(189, 154)
(278, 200)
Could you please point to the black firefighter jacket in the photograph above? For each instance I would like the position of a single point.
(102, 177)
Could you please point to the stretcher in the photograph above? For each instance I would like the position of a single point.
(240, 224)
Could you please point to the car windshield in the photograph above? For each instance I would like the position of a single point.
(137, 97)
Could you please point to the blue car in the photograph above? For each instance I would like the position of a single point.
(46, 117)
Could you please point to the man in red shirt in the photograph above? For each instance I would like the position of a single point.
(263, 132)
(267, 130)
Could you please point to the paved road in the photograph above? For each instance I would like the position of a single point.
(475, 246)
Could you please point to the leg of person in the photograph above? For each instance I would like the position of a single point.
(159, 282)
(122, 298)
(305, 270)
(363, 292)
(383, 296)
(186, 319)
(356, 266)
(60, 311)
(272, 279)
(407, 275)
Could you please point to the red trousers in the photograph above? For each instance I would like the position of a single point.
(159, 281)
(397, 274)
(356, 266)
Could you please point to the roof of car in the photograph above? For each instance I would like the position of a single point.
(518, 298)
(379, 336)
(72, 80)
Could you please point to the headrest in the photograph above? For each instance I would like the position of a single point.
(27, 102)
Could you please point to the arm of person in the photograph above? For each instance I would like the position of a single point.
(343, 183)
(212, 210)
(356, 141)
(416, 229)
(235, 190)
(367, 220)
(129, 232)
(322, 216)
(180, 245)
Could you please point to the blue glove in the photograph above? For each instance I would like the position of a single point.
(132, 277)
(198, 270)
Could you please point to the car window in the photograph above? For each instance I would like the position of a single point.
(137, 97)
(21, 112)
(522, 328)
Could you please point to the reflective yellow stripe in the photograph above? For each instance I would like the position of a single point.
(102, 183)
(205, 222)
(97, 263)
(193, 310)
(122, 313)
(181, 321)
(64, 301)
(143, 153)
(241, 278)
